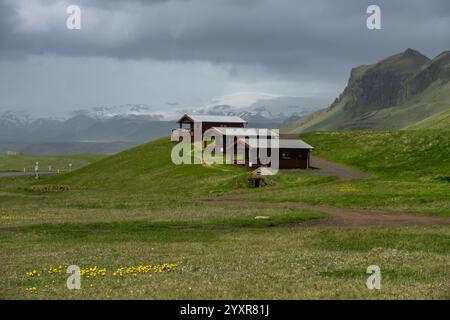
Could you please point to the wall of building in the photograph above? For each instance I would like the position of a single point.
(294, 158)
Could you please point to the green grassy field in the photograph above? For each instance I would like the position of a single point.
(137, 208)
(20, 162)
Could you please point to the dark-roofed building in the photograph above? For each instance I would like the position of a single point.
(238, 133)
(205, 122)
(293, 153)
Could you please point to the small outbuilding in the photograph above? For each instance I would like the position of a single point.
(293, 153)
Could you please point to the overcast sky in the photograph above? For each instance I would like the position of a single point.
(171, 53)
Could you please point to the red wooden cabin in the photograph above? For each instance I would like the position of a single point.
(204, 122)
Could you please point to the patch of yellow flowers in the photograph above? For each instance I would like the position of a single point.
(92, 272)
(142, 269)
(32, 290)
(33, 273)
(58, 269)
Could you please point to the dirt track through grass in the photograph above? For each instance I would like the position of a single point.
(328, 168)
(338, 217)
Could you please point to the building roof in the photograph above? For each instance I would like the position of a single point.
(245, 132)
(282, 143)
(208, 118)
(264, 171)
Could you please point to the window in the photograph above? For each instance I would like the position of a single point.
(286, 155)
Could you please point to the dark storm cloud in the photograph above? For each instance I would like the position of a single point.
(311, 37)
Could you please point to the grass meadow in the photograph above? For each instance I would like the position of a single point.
(136, 211)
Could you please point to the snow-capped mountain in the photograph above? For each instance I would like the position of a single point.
(21, 119)
(121, 112)
(131, 124)
(15, 118)
(273, 109)
(263, 106)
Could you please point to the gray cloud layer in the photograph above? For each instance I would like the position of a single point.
(275, 33)
(292, 39)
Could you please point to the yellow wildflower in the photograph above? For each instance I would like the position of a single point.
(32, 290)
(33, 273)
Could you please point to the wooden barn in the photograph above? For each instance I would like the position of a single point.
(204, 122)
(293, 153)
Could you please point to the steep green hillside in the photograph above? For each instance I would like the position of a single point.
(398, 92)
(439, 120)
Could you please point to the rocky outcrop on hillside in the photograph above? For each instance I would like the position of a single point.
(436, 69)
(372, 87)
(377, 96)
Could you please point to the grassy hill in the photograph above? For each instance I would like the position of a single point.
(142, 181)
(145, 176)
(406, 90)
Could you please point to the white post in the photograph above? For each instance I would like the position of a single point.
(36, 170)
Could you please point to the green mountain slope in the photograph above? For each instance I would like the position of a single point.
(407, 90)
(440, 120)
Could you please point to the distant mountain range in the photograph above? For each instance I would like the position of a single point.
(115, 128)
(407, 90)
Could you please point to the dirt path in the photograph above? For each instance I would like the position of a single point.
(23, 174)
(338, 217)
(328, 168)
